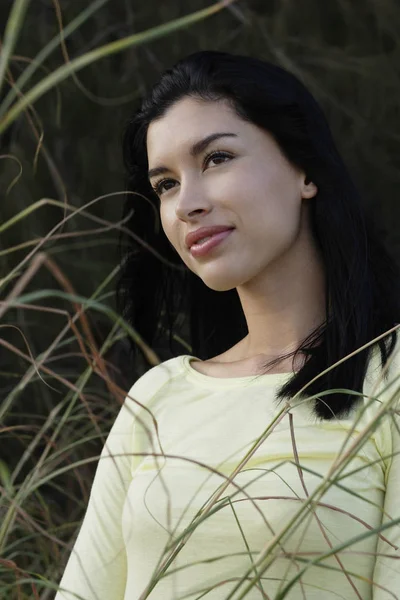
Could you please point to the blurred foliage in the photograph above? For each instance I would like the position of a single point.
(68, 148)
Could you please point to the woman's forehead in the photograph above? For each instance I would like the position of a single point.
(193, 114)
(187, 123)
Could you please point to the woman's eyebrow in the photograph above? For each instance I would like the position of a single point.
(196, 149)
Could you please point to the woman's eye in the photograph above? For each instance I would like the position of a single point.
(216, 155)
(158, 187)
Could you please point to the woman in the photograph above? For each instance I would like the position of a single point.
(262, 465)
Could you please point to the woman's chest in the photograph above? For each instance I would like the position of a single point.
(261, 465)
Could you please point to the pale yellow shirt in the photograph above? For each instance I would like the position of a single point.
(140, 504)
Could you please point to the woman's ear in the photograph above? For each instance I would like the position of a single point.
(309, 189)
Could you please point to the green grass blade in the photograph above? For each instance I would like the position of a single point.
(11, 32)
(107, 50)
(47, 50)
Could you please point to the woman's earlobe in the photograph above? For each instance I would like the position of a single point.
(309, 188)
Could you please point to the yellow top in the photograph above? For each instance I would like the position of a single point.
(142, 501)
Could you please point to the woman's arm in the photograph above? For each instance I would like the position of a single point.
(387, 569)
(96, 569)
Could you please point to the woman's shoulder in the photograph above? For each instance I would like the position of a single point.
(384, 376)
(144, 392)
(381, 393)
(157, 376)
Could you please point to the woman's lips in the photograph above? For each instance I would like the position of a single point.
(201, 249)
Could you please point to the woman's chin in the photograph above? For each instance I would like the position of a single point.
(220, 284)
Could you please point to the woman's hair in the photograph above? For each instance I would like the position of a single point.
(361, 278)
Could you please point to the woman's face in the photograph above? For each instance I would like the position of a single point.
(241, 180)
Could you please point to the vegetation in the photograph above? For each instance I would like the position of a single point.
(70, 73)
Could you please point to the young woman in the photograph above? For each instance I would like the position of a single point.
(264, 464)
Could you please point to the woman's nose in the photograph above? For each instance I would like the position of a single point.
(192, 201)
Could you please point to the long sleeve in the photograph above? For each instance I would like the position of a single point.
(96, 569)
(387, 569)
(97, 566)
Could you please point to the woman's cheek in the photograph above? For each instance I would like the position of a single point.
(165, 223)
(172, 236)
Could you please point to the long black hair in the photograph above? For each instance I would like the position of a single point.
(362, 294)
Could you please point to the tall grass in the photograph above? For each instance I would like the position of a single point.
(44, 466)
(63, 346)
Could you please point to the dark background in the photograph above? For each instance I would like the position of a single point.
(347, 53)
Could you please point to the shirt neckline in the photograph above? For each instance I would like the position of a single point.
(270, 379)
